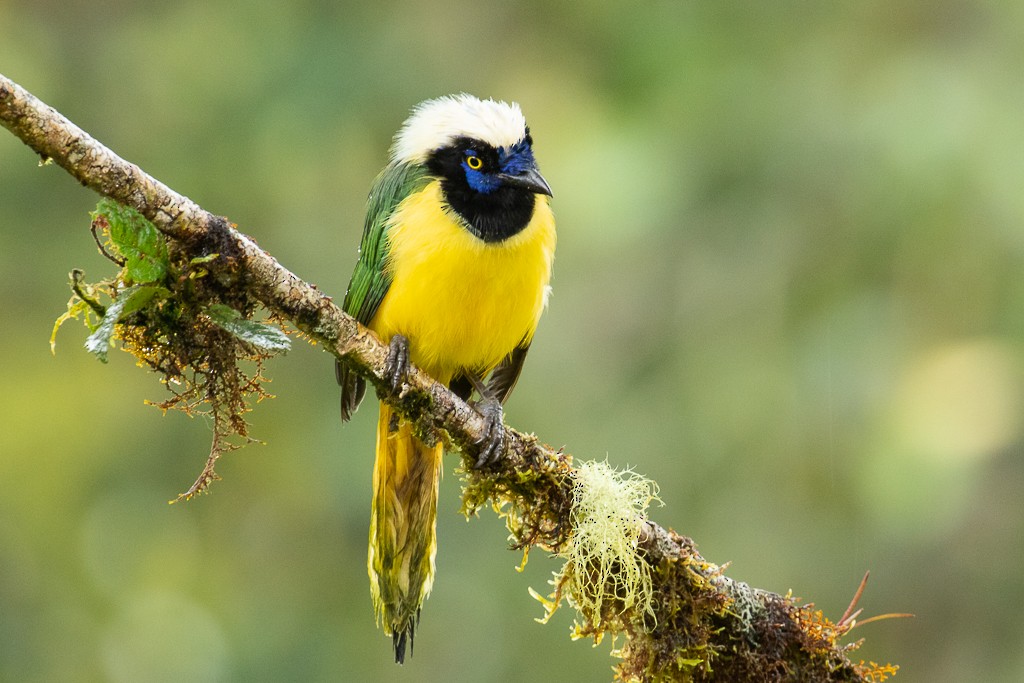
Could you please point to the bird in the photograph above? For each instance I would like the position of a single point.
(453, 273)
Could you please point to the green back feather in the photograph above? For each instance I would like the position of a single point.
(370, 280)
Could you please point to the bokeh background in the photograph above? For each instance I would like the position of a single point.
(788, 288)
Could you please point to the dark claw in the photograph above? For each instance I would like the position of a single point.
(398, 361)
(493, 443)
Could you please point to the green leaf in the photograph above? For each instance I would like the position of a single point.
(143, 246)
(140, 296)
(260, 335)
(130, 300)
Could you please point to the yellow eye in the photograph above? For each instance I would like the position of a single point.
(474, 162)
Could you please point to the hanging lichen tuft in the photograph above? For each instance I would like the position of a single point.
(605, 576)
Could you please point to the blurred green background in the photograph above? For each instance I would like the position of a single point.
(788, 288)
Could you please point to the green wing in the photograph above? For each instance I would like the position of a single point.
(370, 280)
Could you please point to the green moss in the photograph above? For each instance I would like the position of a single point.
(168, 310)
(534, 502)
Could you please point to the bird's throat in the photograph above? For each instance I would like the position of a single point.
(492, 217)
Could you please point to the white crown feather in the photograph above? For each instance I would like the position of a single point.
(435, 123)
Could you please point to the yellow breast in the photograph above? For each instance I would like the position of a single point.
(462, 303)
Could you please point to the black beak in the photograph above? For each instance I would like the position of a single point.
(531, 180)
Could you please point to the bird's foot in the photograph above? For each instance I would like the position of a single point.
(397, 366)
(492, 443)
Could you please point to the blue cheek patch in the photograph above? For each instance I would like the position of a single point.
(483, 183)
(512, 160)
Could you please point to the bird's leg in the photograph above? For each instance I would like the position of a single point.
(398, 361)
(492, 445)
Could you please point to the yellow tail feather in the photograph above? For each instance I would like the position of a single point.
(403, 538)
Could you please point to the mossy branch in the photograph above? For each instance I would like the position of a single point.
(695, 623)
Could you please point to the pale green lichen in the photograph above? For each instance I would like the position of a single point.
(604, 575)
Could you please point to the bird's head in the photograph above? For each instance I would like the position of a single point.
(482, 152)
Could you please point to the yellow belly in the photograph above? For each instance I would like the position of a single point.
(463, 304)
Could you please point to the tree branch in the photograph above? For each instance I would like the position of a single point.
(702, 625)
